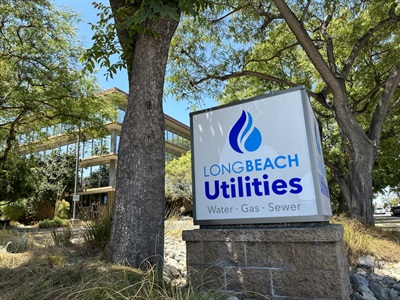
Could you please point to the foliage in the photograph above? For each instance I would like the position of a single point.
(97, 178)
(13, 241)
(17, 180)
(387, 166)
(62, 209)
(56, 222)
(98, 231)
(394, 201)
(63, 237)
(178, 178)
(13, 211)
(57, 173)
(130, 17)
(40, 82)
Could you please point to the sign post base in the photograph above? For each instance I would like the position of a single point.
(302, 262)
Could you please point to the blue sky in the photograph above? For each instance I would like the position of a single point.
(176, 109)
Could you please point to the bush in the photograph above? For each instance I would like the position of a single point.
(56, 222)
(62, 209)
(15, 242)
(13, 211)
(97, 233)
(62, 238)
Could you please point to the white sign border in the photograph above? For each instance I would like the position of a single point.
(320, 217)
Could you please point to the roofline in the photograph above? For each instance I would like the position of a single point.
(176, 121)
(110, 90)
(115, 89)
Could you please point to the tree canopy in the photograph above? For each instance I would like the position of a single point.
(178, 178)
(57, 176)
(41, 82)
(346, 53)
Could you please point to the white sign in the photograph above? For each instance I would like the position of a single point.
(75, 198)
(259, 161)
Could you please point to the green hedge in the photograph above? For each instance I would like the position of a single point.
(56, 222)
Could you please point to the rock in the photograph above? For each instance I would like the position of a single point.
(379, 291)
(358, 296)
(365, 291)
(367, 285)
(171, 272)
(358, 280)
(366, 262)
(394, 295)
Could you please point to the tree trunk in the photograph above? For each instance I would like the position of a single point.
(344, 198)
(137, 237)
(362, 155)
(361, 166)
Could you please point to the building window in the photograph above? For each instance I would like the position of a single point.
(176, 137)
(121, 116)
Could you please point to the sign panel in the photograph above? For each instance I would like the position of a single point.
(259, 161)
(75, 198)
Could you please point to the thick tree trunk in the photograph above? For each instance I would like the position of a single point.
(361, 167)
(137, 237)
(362, 155)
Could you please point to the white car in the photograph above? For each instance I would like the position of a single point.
(379, 210)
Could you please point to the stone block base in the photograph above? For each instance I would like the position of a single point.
(278, 263)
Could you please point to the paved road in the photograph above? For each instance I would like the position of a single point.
(387, 221)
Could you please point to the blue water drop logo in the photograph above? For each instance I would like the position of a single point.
(243, 135)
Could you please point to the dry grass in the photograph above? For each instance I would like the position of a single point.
(361, 240)
(67, 273)
(73, 272)
(76, 272)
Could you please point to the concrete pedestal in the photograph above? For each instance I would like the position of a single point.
(279, 263)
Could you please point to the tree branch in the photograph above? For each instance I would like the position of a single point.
(395, 105)
(382, 108)
(367, 97)
(276, 55)
(312, 52)
(11, 137)
(227, 15)
(362, 41)
(329, 43)
(305, 11)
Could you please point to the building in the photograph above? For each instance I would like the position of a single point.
(98, 156)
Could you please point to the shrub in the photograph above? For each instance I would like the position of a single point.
(13, 211)
(62, 209)
(15, 242)
(62, 238)
(97, 233)
(56, 222)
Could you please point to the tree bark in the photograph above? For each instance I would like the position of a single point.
(137, 237)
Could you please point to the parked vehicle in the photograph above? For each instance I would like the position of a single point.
(395, 211)
(379, 210)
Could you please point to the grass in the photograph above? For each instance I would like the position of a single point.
(63, 270)
(361, 240)
(89, 279)
(59, 269)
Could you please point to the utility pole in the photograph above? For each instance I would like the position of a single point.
(75, 198)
